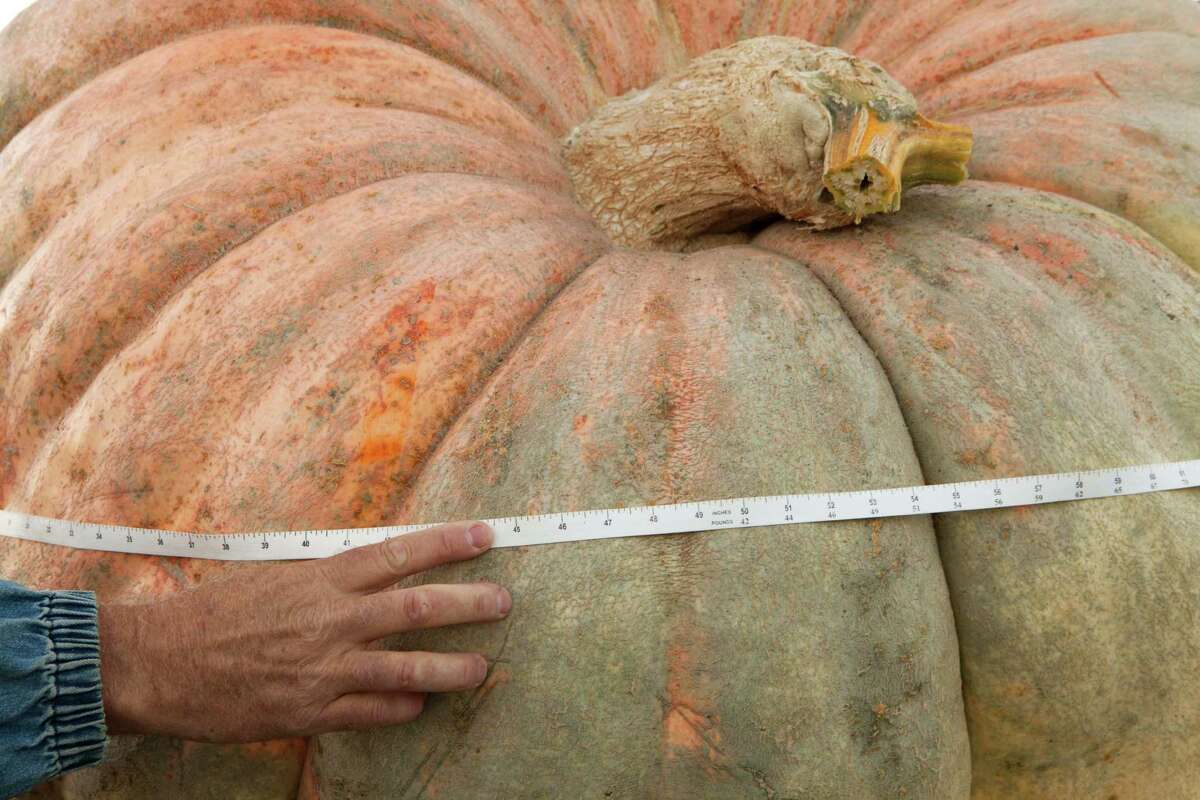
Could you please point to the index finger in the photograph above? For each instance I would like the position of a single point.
(376, 566)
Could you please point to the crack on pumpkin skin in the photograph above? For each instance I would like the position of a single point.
(679, 400)
(464, 715)
(688, 729)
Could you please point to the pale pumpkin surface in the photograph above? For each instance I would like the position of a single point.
(260, 272)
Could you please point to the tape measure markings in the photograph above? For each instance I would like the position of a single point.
(573, 526)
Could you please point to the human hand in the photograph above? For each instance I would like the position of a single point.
(285, 650)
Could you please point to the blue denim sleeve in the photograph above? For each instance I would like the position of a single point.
(51, 714)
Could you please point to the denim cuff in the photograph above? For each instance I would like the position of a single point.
(76, 724)
(52, 717)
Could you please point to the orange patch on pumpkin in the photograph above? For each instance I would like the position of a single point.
(278, 749)
(426, 291)
(386, 420)
(681, 729)
(1057, 255)
(990, 446)
(940, 339)
(987, 395)
(1017, 689)
(1149, 139)
(876, 545)
(686, 726)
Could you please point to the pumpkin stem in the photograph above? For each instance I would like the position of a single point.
(870, 161)
(767, 126)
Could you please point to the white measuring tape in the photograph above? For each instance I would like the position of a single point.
(611, 523)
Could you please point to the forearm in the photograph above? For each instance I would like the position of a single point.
(125, 692)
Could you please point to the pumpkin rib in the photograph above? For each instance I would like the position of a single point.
(759, 243)
(1064, 384)
(1085, 120)
(628, 43)
(1004, 61)
(118, 576)
(23, 99)
(84, 436)
(123, 576)
(436, 30)
(541, 170)
(884, 368)
(992, 89)
(878, 42)
(85, 364)
(403, 32)
(472, 398)
(1150, 199)
(214, 82)
(673, 409)
(1048, 24)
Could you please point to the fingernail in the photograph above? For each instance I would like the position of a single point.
(479, 535)
(503, 602)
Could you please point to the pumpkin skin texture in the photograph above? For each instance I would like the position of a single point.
(1088, 119)
(558, 60)
(292, 264)
(189, 95)
(1039, 596)
(719, 666)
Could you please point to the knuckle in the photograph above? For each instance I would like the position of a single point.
(309, 675)
(450, 540)
(324, 570)
(364, 615)
(408, 673)
(310, 622)
(358, 615)
(376, 713)
(485, 602)
(397, 554)
(363, 673)
(417, 606)
(305, 720)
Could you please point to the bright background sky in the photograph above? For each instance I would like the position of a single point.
(10, 8)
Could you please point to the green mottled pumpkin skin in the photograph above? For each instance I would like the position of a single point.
(302, 264)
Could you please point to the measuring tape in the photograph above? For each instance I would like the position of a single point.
(611, 523)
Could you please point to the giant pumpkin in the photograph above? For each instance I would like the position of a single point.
(316, 263)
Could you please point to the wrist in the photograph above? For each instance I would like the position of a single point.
(122, 691)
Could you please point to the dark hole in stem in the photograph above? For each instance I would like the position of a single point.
(825, 196)
(864, 184)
